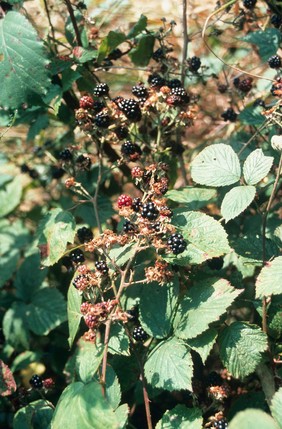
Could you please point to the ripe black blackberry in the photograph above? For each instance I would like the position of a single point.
(136, 204)
(174, 83)
(101, 89)
(274, 62)
(150, 211)
(83, 162)
(131, 109)
(156, 81)
(102, 267)
(276, 20)
(33, 173)
(215, 263)
(140, 91)
(139, 334)
(57, 172)
(65, 155)
(245, 85)
(36, 382)
(128, 226)
(159, 54)
(156, 226)
(67, 263)
(194, 64)
(102, 120)
(77, 256)
(25, 168)
(121, 132)
(180, 92)
(214, 379)
(98, 106)
(249, 4)
(129, 149)
(177, 243)
(229, 115)
(84, 234)
(220, 424)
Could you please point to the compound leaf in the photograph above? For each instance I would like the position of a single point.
(216, 165)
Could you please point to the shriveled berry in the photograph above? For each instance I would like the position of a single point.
(139, 334)
(150, 211)
(102, 120)
(81, 282)
(222, 88)
(229, 115)
(65, 155)
(77, 256)
(177, 243)
(124, 201)
(130, 149)
(102, 267)
(131, 109)
(194, 64)
(84, 234)
(274, 62)
(245, 85)
(174, 100)
(121, 132)
(83, 162)
(86, 102)
(101, 89)
(156, 81)
(36, 381)
(249, 4)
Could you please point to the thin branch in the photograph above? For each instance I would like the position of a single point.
(74, 23)
(185, 39)
(50, 24)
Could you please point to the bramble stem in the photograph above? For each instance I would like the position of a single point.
(185, 39)
(74, 23)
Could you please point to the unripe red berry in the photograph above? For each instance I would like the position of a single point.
(124, 201)
(86, 102)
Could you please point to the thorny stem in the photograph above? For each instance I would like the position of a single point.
(50, 24)
(185, 39)
(95, 198)
(74, 23)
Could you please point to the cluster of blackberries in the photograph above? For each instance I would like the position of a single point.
(84, 234)
(136, 204)
(131, 109)
(274, 62)
(156, 81)
(128, 226)
(194, 64)
(102, 267)
(66, 155)
(77, 256)
(139, 334)
(229, 115)
(36, 382)
(176, 243)
(140, 91)
(131, 150)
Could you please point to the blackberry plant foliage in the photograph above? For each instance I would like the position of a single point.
(140, 217)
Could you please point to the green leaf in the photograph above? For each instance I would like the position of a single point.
(37, 414)
(252, 417)
(216, 165)
(205, 303)
(181, 417)
(74, 314)
(138, 27)
(252, 115)
(83, 406)
(122, 254)
(170, 366)
(84, 55)
(7, 381)
(55, 231)
(118, 342)
(236, 201)
(193, 198)
(256, 167)
(46, 311)
(142, 54)
(23, 69)
(276, 407)
(206, 237)
(121, 414)
(249, 248)
(87, 360)
(203, 343)
(267, 41)
(24, 359)
(29, 277)
(157, 320)
(10, 193)
(113, 392)
(15, 327)
(109, 43)
(241, 346)
(8, 264)
(269, 279)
